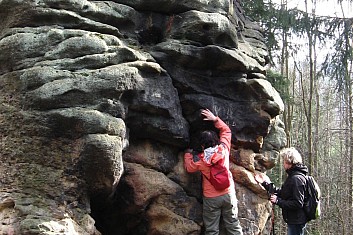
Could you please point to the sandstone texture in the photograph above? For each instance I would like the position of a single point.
(99, 99)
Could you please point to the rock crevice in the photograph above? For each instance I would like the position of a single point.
(100, 98)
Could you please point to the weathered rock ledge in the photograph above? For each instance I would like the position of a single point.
(100, 98)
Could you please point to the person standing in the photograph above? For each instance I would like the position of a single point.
(216, 203)
(290, 197)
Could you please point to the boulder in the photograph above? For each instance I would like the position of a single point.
(99, 99)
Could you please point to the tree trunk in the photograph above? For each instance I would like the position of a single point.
(311, 88)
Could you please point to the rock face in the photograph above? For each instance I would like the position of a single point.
(100, 98)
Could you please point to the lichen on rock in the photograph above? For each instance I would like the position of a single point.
(99, 100)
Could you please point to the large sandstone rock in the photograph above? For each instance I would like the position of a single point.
(100, 98)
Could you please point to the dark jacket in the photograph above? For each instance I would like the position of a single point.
(291, 195)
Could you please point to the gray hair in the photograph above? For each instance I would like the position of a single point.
(291, 156)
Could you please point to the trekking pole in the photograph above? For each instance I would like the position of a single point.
(273, 220)
(271, 192)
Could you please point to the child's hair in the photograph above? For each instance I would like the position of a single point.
(209, 139)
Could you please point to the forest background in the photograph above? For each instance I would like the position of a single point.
(310, 44)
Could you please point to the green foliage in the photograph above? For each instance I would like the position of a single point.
(336, 64)
(262, 12)
(285, 31)
(277, 20)
(275, 174)
(274, 18)
(280, 83)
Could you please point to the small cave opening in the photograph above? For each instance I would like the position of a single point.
(150, 36)
(114, 213)
(206, 27)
